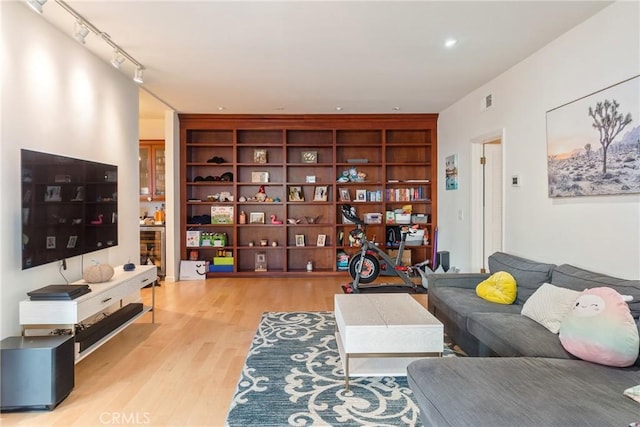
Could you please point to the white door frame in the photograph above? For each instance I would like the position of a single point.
(478, 258)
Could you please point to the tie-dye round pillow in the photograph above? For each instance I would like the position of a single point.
(600, 329)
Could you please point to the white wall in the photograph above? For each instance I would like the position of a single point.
(58, 97)
(600, 233)
(151, 128)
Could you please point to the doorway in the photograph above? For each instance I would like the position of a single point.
(487, 199)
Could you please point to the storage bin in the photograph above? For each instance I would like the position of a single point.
(402, 218)
(223, 260)
(419, 218)
(373, 218)
(406, 256)
(415, 239)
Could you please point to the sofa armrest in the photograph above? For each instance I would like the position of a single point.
(457, 280)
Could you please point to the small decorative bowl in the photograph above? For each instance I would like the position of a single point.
(312, 219)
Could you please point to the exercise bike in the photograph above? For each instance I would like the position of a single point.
(370, 261)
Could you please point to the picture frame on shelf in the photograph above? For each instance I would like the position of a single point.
(53, 193)
(256, 218)
(260, 177)
(300, 240)
(320, 194)
(296, 194)
(71, 243)
(344, 194)
(51, 242)
(309, 157)
(260, 261)
(361, 195)
(310, 179)
(322, 239)
(259, 155)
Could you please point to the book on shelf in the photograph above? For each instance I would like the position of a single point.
(221, 214)
(405, 194)
(193, 238)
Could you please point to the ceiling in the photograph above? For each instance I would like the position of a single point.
(287, 57)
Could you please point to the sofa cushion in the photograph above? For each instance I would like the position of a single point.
(500, 288)
(578, 279)
(529, 275)
(458, 303)
(521, 392)
(600, 329)
(514, 335)
(549, 305)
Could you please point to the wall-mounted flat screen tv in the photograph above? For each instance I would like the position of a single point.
(69, 207)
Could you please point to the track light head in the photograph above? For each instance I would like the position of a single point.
(81, 32)
(117, 59)
(36, 5)
(137, 77)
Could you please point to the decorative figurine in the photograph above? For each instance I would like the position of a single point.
(274, 220)
(261, 196)
(98, 221)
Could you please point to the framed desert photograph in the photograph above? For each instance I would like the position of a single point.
(300, 240)
(593, 143)
(322, 239)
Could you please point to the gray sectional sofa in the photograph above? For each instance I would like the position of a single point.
(533, 381)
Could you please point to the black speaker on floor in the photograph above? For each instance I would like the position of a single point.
(37, 372)
(442, 258)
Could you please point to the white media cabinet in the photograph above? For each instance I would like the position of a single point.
(103, 296)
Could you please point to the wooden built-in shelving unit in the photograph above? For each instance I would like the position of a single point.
(400, 168)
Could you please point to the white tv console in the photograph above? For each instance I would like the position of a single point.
(123, 285)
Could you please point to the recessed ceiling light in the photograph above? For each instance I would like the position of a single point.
(221, 108)
(338, 108)
(450, 42)
(396, 108)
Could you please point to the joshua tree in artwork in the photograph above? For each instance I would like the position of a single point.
(587, 149)
(609, 123)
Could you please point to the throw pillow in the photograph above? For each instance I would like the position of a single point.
(549, 305)
(600, 329)
(500, 288)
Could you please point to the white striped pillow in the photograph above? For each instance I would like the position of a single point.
(549, 305)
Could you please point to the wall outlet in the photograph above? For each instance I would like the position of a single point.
(515, 181)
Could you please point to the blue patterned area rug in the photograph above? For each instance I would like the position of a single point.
(293, 377)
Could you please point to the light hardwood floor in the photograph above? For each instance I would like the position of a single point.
(183, 370)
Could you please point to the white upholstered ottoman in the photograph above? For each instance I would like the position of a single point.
(380, 334)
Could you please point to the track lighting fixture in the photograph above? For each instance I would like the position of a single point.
(84, 27)
(81, 32)
(36, 5)
(137, 77)
(117, 59)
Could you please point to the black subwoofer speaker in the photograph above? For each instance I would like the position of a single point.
(37, 372)
(442, 258)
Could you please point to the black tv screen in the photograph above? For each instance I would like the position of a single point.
(69, 207)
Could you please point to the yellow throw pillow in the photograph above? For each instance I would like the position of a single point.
(500, 288)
